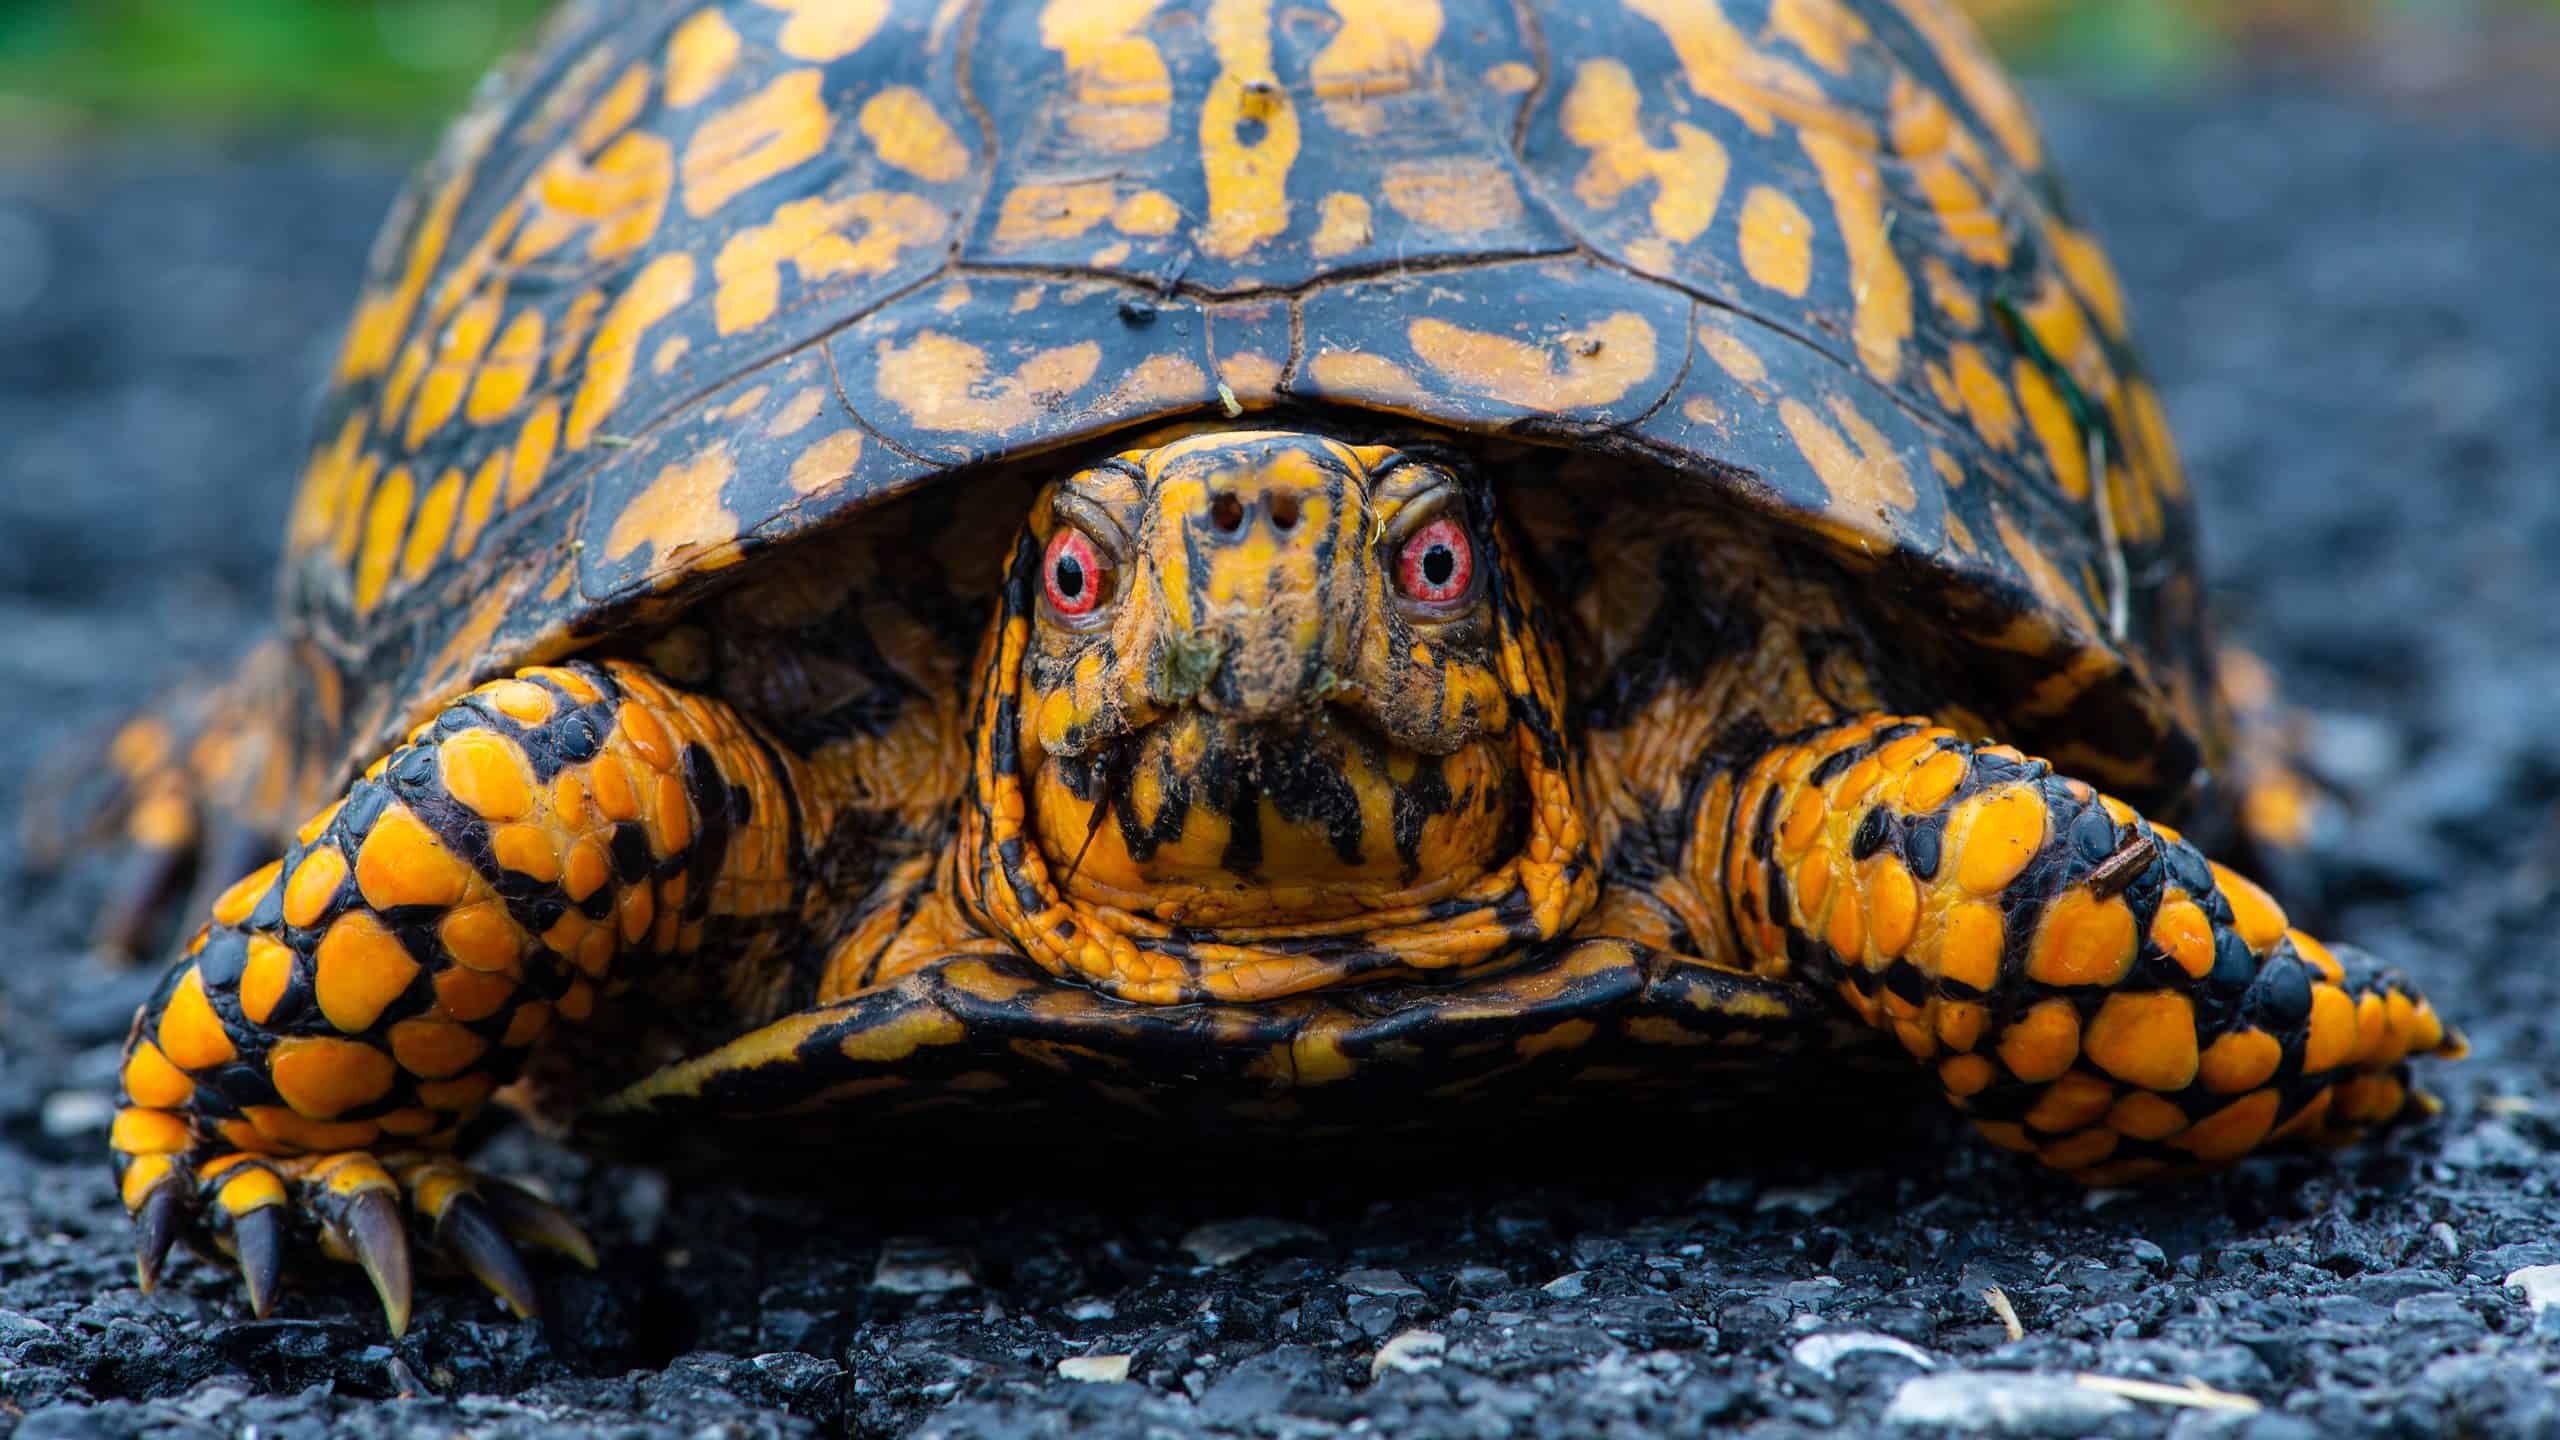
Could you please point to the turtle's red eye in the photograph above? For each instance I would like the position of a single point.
(1074, 574)
(1437, 563)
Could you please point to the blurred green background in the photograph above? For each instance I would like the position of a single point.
(399, 65)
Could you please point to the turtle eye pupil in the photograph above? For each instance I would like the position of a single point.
(1438, 566)
(1070, 577)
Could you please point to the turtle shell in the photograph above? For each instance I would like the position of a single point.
(692, 280)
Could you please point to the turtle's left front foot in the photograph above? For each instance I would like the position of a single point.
(363, 1209)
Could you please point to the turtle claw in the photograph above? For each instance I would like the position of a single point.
(376, 1236)
(257, 1242)
(367, 1211)
(531, 1220)
(468, 1234)
(156, 1226)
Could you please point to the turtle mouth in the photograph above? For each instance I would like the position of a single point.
(1242, 824)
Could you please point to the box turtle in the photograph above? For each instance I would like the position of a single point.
(1196, 565)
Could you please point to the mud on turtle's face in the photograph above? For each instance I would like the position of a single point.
(1279, 660)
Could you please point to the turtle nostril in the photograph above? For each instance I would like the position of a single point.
(1227, 513)
(1284, 511)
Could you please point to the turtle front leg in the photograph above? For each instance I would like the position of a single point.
(312, 1056)
(2083, 983)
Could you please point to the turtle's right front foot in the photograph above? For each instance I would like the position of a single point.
(362, 1208)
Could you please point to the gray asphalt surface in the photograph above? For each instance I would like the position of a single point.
(2352, 321)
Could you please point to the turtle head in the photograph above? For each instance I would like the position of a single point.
(1265, 681)
(1273, 582)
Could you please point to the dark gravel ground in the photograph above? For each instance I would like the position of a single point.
(2352, 318)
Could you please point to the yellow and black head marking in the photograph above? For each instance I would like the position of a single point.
(1266, 711)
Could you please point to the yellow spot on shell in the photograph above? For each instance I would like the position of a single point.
(433, 526)
(1600, 114)
(479, 502)
(779, 127)
(1865, 483)
(826, 462)
(1879, 288)
(827, 29)
(680, 516)
(910, 134)
(1120, 93)
(942, 382)
(820, 238)
(507, 373)
(532, 453)
(1379, 47)
(385, 520)
(1247, 179)
(1342, 225)
(1777, 241)
(699, 56)
(1456, 196)
(665, 283)
(1824, 30)
(1593, 367)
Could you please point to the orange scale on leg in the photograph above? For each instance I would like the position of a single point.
(2074, 1100)
(314, 885)
(530, 850)
(1935, 780)
(302, 1135)
(2145, 1116)
(138, 1131)
(264, 977)
(2043, 1042)
(2313, 1114)
(1847, 930)
(322, 1077)
(459, 1094)
(670, 818)
(1803, 823)
(485, 771)
(434, 1049)
(403, 863)
(2146, 1039)
(2371, 1099)
(190, 1034)
(2373, 1027)
(463, 993)
(646, 737)
(588, 868)
(2079, 1151)
(2331, 1040)
(2083, 940)
(2008, 827)
(312, 827)
(234, 904)
(518, 700)
(409, 1123)
(595, 952)
(1893, 906)
(1969, 946)
(2006, 1135)
(1965, 1074)
(2318, 956)
(610, 780)
(1961, 1023)
(569, 800)
(2241, 1060)
(2232, 1131)
(526, 1024)
(578, 1001)
(2254, 913)
(359, 968)
(2183, 932)
(149, 1079)
(483, 937)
